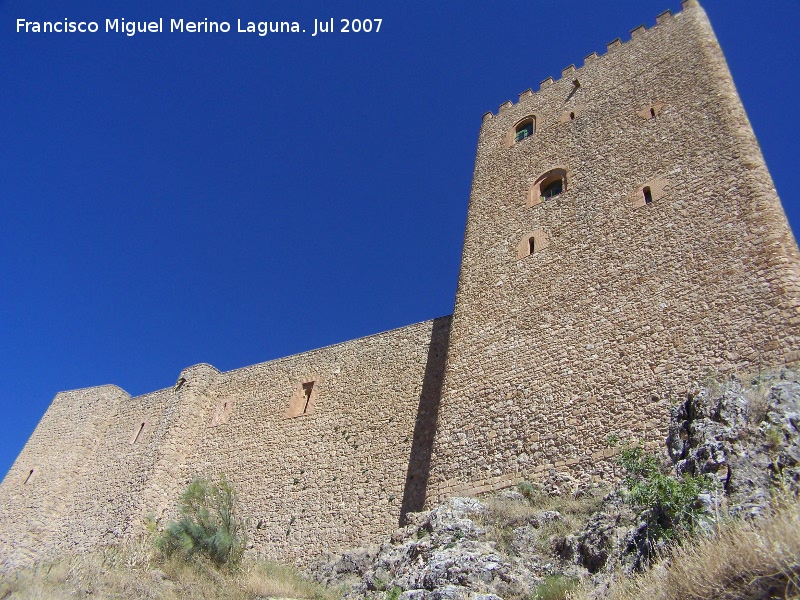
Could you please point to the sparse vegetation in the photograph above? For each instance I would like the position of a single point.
(743, 560)
(670, 503)
(505, 514)
(530, 491)
(134, 571)
(554, 587)
(758, 399)
(265, 579)
(209, 524)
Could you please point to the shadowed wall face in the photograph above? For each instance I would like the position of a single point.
(317, 445)
(419, 460)
(631, 244)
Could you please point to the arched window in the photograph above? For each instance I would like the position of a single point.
(548, 186)
(524, 129)
(552, 189)
(520, 131)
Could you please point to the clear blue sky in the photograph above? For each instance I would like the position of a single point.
(169, 199)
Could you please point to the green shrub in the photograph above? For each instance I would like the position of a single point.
(394, 593)
(208, 525)
(530, 490)
(554, 587)
(774, 436)
(671, 504)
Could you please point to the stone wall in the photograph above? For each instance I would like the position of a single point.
(39, 494)
(338, 473)
(623, 301)
(334, 477)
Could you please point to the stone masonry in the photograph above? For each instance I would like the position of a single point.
(625, 299)
(340, 471)
(624, 239)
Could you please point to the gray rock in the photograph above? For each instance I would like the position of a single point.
(719, 432)
(746, 440)
(548, 515)
(511, 494)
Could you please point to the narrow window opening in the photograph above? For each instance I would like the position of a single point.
(524, 130)
(652, 112)
(28, 478)
(648, 195)
(572, 116)
(138, 434)
(307, 387)
(552, 189)
(533, 241)
(303, 399)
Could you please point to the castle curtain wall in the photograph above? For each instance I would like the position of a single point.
(334, 475)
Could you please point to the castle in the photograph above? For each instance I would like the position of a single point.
(623, 238)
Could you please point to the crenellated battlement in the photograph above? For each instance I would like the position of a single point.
(572, 71)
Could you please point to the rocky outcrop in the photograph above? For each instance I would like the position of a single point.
(744, 436)
(442, 553)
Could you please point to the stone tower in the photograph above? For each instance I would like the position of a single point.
(623, 238)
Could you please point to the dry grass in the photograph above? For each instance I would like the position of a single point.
(746, 560)
(757, 394)
(132, 571)
(274, 580)
(506, 514)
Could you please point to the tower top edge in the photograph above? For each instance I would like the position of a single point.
(573, 71)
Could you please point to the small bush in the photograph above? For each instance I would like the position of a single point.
(774, 436)
(671, 504)
(554, 587)
(531, 491)
(208, 525)
(394, 593)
